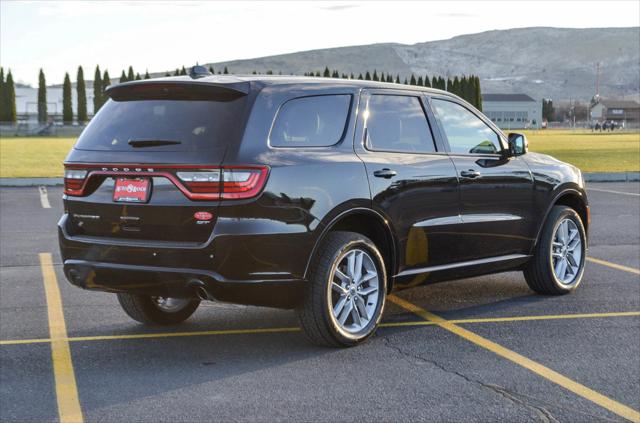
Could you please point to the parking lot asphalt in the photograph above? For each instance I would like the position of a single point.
(481, 349)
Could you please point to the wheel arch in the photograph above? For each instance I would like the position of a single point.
(369, 223)
(572, 198)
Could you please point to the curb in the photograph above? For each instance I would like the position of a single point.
(588, 177)
(30, 182)
(612, 176)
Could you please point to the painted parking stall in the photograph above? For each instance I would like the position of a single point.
(475, 342)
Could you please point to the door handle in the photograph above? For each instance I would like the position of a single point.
(470, 173)
(385, 173)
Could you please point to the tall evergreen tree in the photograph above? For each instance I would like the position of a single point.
(405, 81)
(420, 82)
(367, 76)
(389, 78)
(138, 77)
(375, 75)
(442, 83)
(42, 98)
(383, 78)
(412, 81)
(106, 81)
(146, 74)
(397, 79)
(211, 70)
(130, 74)
(225, 71)
(123, 77)
(360, 76)
(183, 71)
(10, 99)
(177, 72)
(81, 92)
(326, 72)
(335, 74)
(67, 106)
(478, 93)
(434, 82)
(2, 96)
(426, 81)
(97, 90)
(352, 76)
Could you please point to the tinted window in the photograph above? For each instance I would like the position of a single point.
(194, 125)
(398, 123)
(317, 121)
(464, 130)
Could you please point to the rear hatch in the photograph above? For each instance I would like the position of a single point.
(148, 165)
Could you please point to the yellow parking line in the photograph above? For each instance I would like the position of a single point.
(65, 379)
(297, 329)
(614, 265)
(551, 375)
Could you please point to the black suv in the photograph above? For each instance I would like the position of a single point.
(317, 194)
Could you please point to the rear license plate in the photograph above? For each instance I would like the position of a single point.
(132, 190)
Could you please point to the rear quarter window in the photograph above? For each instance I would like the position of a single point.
(315, 121)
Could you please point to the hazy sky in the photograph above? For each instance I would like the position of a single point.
(161, 35)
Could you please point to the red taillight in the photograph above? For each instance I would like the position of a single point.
(230, 183)
(74, 181)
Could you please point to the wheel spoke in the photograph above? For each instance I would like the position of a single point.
(575, 244)
(564, 228)
(368, 290)
(339, 305)
(572, 261)
(343, 278)
(358, 270)
(370, 275)
(362, 308)
(351, 264)
(557, 244)
(345, 311)
(561, 269)
(572, 234)
(558, 255)
(338, 288)
(355, 315)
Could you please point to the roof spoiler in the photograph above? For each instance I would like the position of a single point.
(179, 89)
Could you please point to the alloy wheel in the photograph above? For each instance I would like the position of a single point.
(354, 293)
(566, 252)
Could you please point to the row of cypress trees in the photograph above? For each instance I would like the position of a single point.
(7, 97)
(466, 87)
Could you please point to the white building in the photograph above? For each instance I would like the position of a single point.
(512, 111)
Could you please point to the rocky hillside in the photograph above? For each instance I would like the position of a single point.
(556, 63)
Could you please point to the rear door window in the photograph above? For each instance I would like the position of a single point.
(397, 123)
(315, 121)
(162, 125)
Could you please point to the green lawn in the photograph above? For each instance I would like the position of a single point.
(592, 152)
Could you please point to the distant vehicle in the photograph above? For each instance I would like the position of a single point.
(318, 194)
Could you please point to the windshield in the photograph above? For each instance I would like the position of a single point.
(162, 125)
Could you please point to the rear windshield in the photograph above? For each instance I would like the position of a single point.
(162, 125)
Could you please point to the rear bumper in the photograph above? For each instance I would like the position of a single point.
(181, 283)
(159, 269)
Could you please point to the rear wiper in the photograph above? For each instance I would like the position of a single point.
(151, 143)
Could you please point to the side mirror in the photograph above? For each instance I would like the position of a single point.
(518, 144)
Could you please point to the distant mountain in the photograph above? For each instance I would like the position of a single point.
(557, 63)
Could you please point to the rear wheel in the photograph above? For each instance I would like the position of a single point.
(558, 264)
(157, 310)
(347, 286)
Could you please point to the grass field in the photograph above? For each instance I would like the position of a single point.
(591, 152)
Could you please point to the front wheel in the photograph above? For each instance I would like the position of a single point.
(345, 299)
(157, 310)
(558, 264)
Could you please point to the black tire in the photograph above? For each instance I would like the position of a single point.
(539, 273)
(144, 309)
(315, 312)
